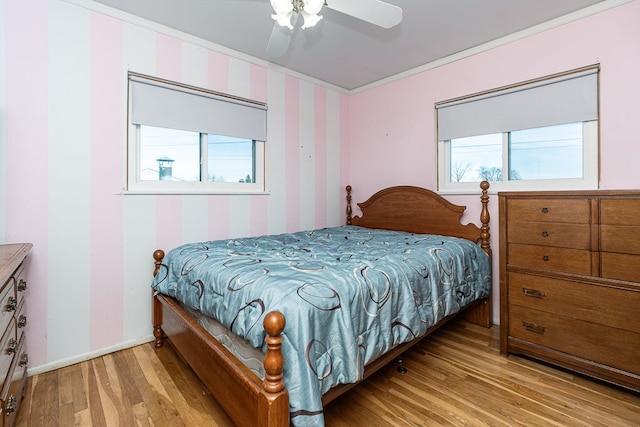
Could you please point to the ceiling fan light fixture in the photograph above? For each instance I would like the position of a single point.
(285, 10)
(309, 11)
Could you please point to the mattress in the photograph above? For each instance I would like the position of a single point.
(250, 356)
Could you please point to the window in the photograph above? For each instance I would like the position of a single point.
(532, 136)
(188, 140)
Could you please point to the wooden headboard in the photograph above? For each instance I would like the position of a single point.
(418, 210)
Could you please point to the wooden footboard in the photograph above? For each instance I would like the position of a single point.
(250, 401)
(247, 399)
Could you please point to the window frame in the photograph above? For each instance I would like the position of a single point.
(133, 183)
(589, 180)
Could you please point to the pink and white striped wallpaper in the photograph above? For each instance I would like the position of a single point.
(63, 151)
(64, 167)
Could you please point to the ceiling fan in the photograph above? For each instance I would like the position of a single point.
(286, 13)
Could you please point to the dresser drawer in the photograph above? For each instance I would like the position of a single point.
(566, 235)
(8, 305)
(20, 283)
(620, 266)
(15, 389)
(575, 261)
(623, 239)
(8, 349)
(620, 212)
(21, 318)
(598, 343)
(550, 210)
(615, 307)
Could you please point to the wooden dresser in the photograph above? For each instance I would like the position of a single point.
(13, 346)
(570, 280)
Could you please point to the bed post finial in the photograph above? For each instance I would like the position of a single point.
(484, 218)
(274, 324)
(158, 256)
(349, 211)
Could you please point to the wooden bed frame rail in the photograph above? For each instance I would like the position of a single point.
(252, 402)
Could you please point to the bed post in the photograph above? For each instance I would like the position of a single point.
(274, 324)
(484, 218)
(480, 314)
(156, 309)
(349, 211)
(274, 409)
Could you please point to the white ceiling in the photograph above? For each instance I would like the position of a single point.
(349, 53)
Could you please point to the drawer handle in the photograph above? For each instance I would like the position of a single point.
(22, 286)
(22, 321)
(545, 234)
(545, 210)
(534, 293)
(13, 346)
(545, 257)
(12, 404)
(24, 359)
(12, 304)
(534, 328)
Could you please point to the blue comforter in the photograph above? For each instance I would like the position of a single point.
(348, 294)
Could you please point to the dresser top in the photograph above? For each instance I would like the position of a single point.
(11, 255)
(577, 193)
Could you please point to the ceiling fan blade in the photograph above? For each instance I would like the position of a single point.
(376, 12)
(280, 39)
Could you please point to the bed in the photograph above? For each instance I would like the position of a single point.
(288, 300)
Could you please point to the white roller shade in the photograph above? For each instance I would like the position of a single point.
(568, 98)
(156, 103)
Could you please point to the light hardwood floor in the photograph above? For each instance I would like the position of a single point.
(456, 378)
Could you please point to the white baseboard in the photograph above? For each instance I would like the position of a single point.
(87, 356)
